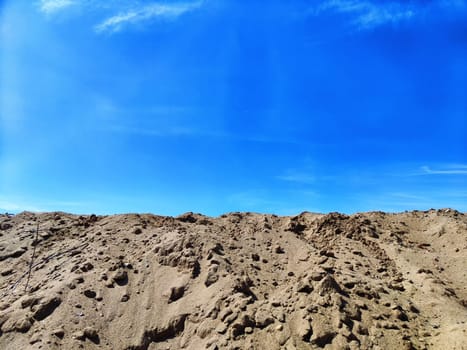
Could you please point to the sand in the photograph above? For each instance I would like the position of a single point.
(239, 281)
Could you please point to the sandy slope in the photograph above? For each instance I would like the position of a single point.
(239, 281)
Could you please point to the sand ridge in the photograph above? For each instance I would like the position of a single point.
(239, 281)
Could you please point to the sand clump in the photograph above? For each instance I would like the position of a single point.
(238, 281)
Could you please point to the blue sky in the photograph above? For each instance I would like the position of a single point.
(218, 105)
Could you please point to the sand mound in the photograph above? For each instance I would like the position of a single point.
(239, 281)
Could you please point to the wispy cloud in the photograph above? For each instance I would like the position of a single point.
(368, 14)
(410, 200)
(6, 205)
(120, 14)
(33, 204)
(145, 14)
(252, 199)
(175, 131)
(54, 6)
(459, 169)
(301, 178)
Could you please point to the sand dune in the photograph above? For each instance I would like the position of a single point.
(238, 281)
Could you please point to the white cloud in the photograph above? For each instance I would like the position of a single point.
(160, 132)
(18, 204)
(144, 14)
(298, 178)
(17, 207)
(118, 14)
(457, 170)
(54, 6)
(367, 14)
